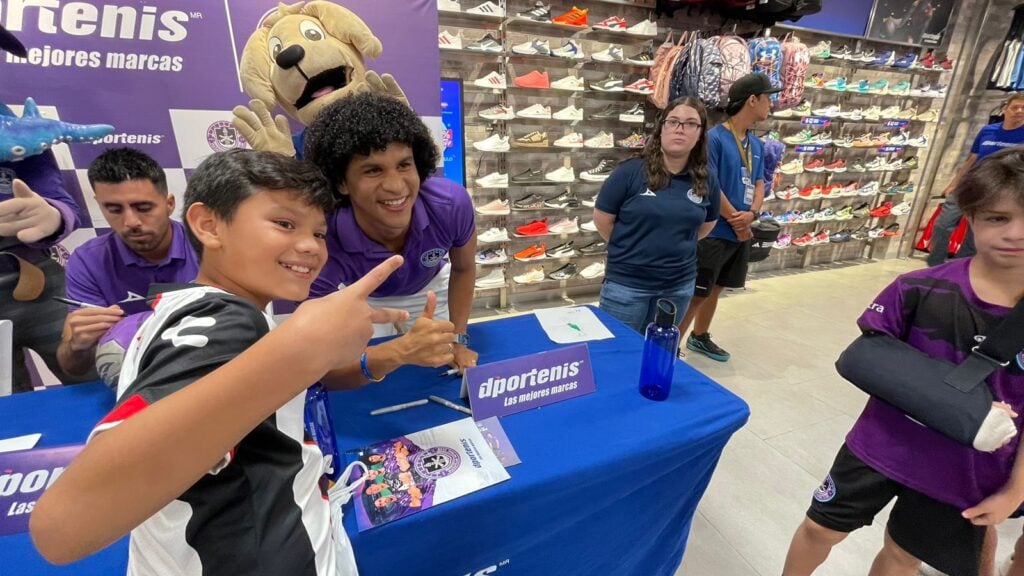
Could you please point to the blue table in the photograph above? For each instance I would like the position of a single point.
(608, 485)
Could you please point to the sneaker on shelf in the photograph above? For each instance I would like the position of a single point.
(574, 83)
(889, 112)
(880, 87)
(611, 83)
(853, 114)
(842, 53)
(891, 230)
(907, 114)
(862, 210)
(832, 190)
(535, 139)
(894, 165)
(783, 241)
(565, 226)
(805, 240)
(900, 139)
(837, 84)
(597, 247)
(601, 140)
(825, 215)
(892, 190)
(566, 199)
(812, 192)
(841, 237)
(570, 113)
(634, 141)
(575, 17)
(876, 232)
(610, 112)
(850, 189)
(906, 62)
(565, 272)
(634, 114)
(571, 140)
(534, 228)
(533, 79)
(494, 279)
(821, 138)
(493, 180)
(844, 213)
(863, 56)
(918, 142)
(493, 143)
(641, 86)
(448, 6)
(533, 252)
(877, 165)
(529, 202)
(869, 189)
(927, 61)
(822, 237)
(788, 193)
(644, 27)
(946, 64)
(844, 142)
(531, 276)
(873, 113)
(536, 47)
(808, 215)
(614, 24)
(492, 256)
(880, 139)
(822, 50)
(600, 172)
(864, 141)
(815, 165)
(885, 209)
(487, 9)
(886, 58)
(857, 166)
(590, 202)
(563, 174)
(909, 163)
(494, 208)
(839, 165)
(446, 41)
(801, 109)
(705, 346)
(937, 91)
(595, 270)
(794, 166)
(863, 87)
(901, 209)
(829, 111)
(535, 111)
(644, 58)
(561, 251)
(528, 176)
(589, 226)
(571, 50)
(816, 80)
(802, 137)
(498, 112)
(486, 44)
(861, 233)
(907, 188)
(927, 116)
(612, 53)
(492, 235)
(539, 13)
(901, 88)
(493, 80)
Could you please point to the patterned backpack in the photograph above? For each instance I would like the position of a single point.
(710, 82)
(735, 63)
(686, 72)
(795, 58)
(661, 70)
(766, 58)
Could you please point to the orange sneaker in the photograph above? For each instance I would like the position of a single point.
(534, 79)
(574, 17)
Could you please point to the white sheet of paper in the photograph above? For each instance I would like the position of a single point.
(568, 325)
(25, 442)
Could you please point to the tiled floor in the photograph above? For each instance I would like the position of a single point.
(784, 334)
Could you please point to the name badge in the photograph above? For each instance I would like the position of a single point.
(748, 187)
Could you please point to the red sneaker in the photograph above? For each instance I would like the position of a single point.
(928, 60)
(882, 211)
(822, 237)
(614, 24)
(811, 192)
(832, 191)
(804, 240)
(946, 64)
(535, 228)
(815, 165)
(574, 17)
(534, 79)
(838, 166)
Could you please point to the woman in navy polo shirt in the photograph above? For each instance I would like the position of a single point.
(652, 210)
(378, 155)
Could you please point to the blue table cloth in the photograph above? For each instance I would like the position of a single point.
(608, 484)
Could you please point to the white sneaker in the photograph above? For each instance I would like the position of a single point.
(829, 111)
(569, 83)
(562, 174)
(493, 180)
(611, 83)
(491, 257)
(492, 235)
(445, 41)
(919, 142)
(595, 270)
(488, 9)
(493, 143)
(536, 47)
(535, 111)
(531, 276)
(589, 226)
(448, 6)
(498, 112)
(494, 279)
(901, 209)
(494, 208)
(877, 164)
(573, 140)
(589, 202)
(890, 112)
(634, 114)
(570, 112)
(565, 226)
(643, 28)
(571, 49)
(612, 53)
(493, 80)
(602, 140)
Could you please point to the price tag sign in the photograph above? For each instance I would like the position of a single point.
(810, 149)
(816, 121)
(897, 123)
(890, 150)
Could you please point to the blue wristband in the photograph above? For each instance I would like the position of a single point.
(366, 369)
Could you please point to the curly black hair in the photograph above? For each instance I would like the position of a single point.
(360, 125)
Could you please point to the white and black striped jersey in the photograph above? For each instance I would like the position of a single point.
(261, 510)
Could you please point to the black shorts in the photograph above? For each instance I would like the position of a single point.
(853, 493)
(721, 263)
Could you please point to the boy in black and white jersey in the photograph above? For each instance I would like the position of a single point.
(204, 457)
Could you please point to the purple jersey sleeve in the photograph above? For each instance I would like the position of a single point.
(81, 285)
(886, 314)
(463, 216)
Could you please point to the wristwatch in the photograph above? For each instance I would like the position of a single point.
(462, 338)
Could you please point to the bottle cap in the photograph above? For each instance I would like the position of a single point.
(666, 313)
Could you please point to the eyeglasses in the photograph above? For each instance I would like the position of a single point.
(688, 126)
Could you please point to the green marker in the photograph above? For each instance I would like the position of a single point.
(575, 327)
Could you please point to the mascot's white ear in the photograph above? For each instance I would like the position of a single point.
(255, 68)
(345, 26)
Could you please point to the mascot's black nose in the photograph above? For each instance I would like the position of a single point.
(290, 56)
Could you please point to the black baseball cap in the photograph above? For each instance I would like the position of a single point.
(751, 85)
(9, 43)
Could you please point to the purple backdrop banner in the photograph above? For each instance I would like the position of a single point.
(24, 476)
(528, 382)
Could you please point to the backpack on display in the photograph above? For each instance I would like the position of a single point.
(686, 72)
(661, 71)
(735, 63)
(766, 58)
(795, 58)
(710, 80)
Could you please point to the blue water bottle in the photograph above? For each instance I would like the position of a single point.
(661, 344)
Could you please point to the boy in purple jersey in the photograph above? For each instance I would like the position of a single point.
(946, 493)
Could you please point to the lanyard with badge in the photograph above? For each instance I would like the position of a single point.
(748, 181)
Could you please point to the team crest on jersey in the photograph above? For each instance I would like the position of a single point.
(693, 196)
(436, 463)
(432, 258)
(827, 491)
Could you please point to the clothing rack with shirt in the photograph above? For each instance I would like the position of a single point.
(1008, 67)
